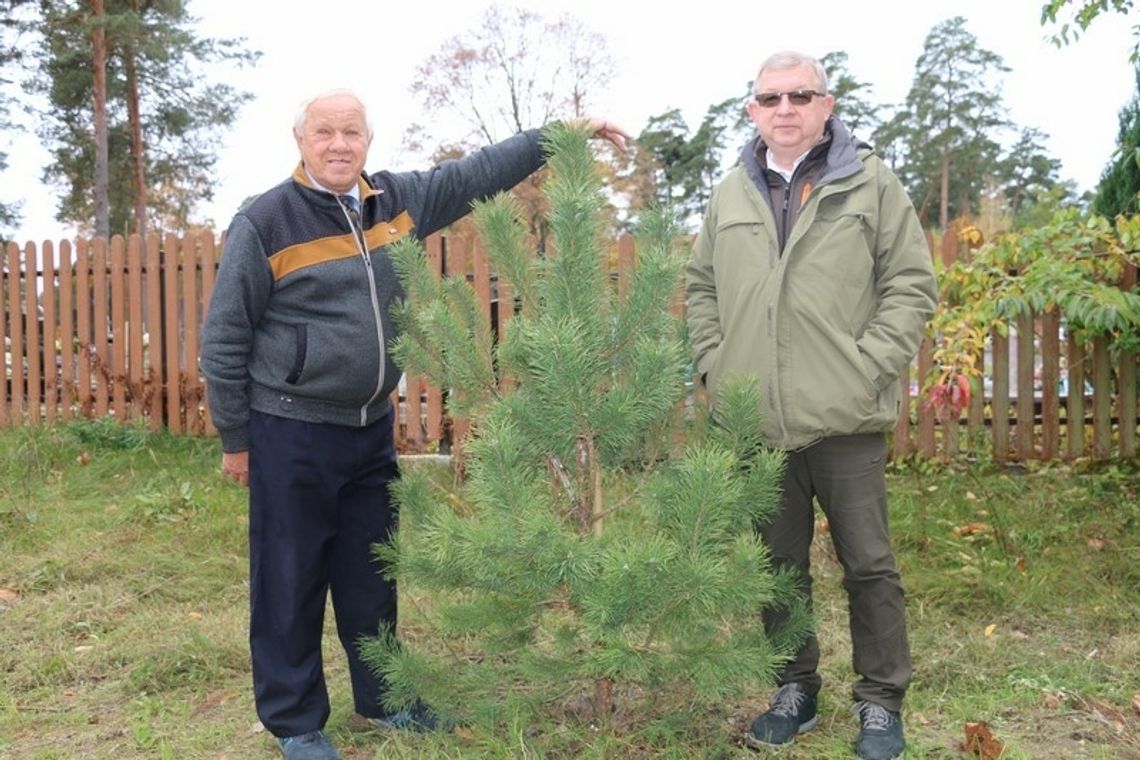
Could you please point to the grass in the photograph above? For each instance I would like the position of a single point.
(123, 616)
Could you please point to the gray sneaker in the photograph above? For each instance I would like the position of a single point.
(311, 746)
(792, 712)
(880, 732)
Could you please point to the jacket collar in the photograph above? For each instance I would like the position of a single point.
(365, 188)
(842, 148)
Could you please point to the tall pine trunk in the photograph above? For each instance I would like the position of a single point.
(138, 148)
(99, 110)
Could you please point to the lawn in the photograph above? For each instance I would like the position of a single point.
(123, 613)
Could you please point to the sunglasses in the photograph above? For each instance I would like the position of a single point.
(796, 97)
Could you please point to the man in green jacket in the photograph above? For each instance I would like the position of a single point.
(811, 275)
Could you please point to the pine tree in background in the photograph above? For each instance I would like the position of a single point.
(1119, 188)
(530, 606)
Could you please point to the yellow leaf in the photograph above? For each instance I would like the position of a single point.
(990, 629)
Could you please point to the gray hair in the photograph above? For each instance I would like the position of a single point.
(303, 108)
(790, 59)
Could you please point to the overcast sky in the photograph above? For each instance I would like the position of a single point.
(667, 55)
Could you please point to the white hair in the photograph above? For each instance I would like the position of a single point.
(303, 108)
(790, 59)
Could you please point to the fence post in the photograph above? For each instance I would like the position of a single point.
(433, 251)
(155, 376)
(1102, 398)
(1050, 371)
(32, 336)
(1128, 388)
(999, 403)
(135, 328)
(117, 328)
(9, 373)
(1023, 445)
(170, 332)
(16, 339)
(1075, 406)
(51, 368)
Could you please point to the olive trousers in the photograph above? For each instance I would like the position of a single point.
(846, 475)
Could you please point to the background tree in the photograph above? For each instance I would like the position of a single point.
(673, 167)
(852, 103)
(540, 602)
(1081, 14)
(163, 114)
(1120, 181)
(1031, 176)
(10, 55)
(943, 143)
(516, 70)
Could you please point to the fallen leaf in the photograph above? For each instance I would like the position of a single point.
(990, 629)
(971, 529)
(84, 648)
(1096, 544)
(931, 489)
(970, 496)
(1053, 700)
(463, 733)
(195, 615)
(8, 594)
(257, 727)
(980, 742)
(84, 458)
(822, 525)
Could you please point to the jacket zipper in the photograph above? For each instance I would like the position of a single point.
(362, 247)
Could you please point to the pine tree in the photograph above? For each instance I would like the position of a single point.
(532, 605)
(1119, 189)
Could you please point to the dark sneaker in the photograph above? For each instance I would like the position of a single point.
(419, 717)
(311, 746)
(880, 732)
(792, 712)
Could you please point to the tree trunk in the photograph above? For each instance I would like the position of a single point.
(102, 159)
(138, 170)
(588, 509)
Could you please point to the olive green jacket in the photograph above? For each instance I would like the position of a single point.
(827, 325)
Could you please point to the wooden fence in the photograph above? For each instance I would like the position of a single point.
(112, 328)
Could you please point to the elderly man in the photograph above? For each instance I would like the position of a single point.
(294, 350)
(811, 274)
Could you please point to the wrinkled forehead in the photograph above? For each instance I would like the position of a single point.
(340, 108)
(801, 77)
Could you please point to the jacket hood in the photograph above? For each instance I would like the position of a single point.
(844, 153)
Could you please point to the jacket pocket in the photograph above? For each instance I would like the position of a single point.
(300, 349)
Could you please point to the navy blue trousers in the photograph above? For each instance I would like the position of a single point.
(318, 502)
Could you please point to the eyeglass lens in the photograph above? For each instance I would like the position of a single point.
(796, 98)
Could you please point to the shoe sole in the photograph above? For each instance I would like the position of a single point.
(757, 743)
